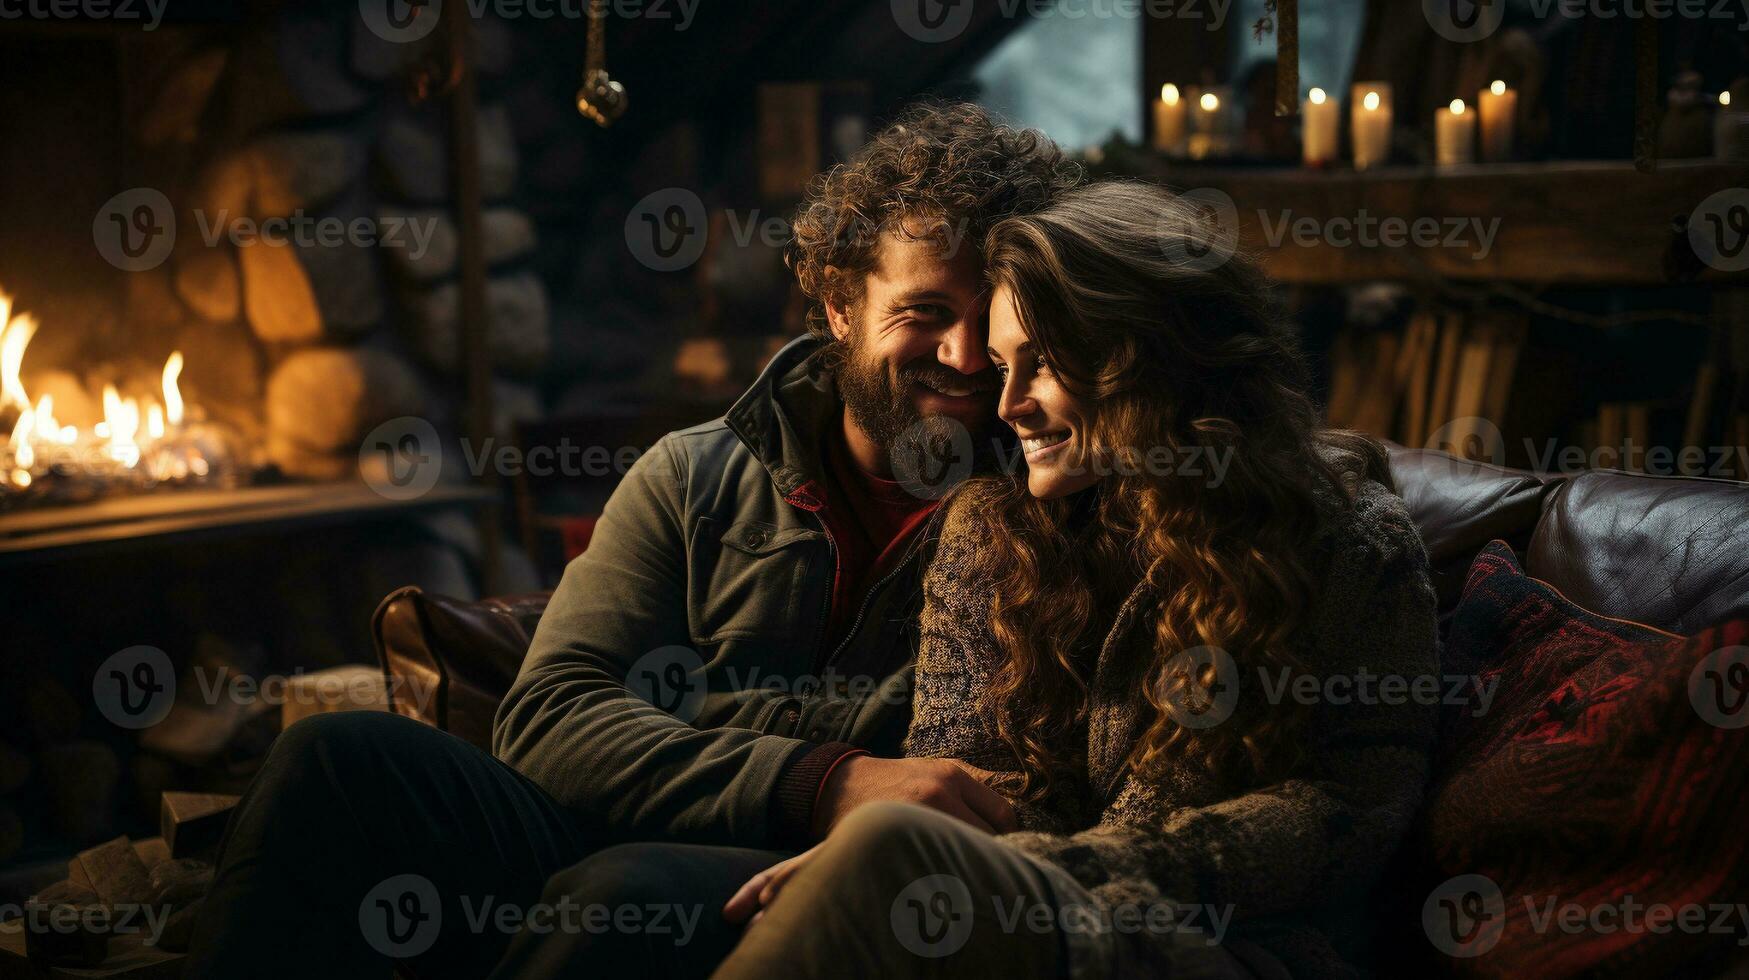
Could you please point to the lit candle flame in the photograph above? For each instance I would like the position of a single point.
(1724, 98)
(1317, 96)
(1371, 102)
(1457, 107)
(1169, 94)
(1210, 102)
(1498, 87)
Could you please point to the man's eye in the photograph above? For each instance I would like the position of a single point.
(933, 311)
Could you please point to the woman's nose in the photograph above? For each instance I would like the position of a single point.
(1015, 404)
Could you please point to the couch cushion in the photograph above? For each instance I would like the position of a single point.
(1670, 551)
(1460, 505)
(1598, 758)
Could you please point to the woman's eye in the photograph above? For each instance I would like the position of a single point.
(1002, 372)
(1043, 366)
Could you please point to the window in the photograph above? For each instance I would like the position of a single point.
(1074, 71)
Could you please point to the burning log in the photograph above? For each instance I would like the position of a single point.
(142, 441)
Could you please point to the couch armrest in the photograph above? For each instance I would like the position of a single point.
(449, 662)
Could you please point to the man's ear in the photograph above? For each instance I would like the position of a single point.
(837, 314)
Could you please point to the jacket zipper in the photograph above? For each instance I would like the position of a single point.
(867, 601)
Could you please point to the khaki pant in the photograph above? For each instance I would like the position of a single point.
(903, 891)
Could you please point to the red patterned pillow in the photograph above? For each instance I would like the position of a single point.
(1588, 813)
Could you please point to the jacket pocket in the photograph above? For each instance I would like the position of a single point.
(745, 580)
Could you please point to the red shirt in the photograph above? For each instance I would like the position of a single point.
(872, 521)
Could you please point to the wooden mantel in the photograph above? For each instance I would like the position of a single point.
(1575, 223)
(54, 532)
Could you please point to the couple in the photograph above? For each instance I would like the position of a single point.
(1068, 753)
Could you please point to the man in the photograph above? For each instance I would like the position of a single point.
(726, 666)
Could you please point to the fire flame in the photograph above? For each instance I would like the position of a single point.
(129, 426)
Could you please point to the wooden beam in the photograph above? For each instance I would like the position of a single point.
(1596, 223)
(476, 351)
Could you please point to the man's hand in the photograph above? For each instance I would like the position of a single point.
(954, 788)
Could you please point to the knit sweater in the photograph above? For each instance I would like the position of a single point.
(1293, 863)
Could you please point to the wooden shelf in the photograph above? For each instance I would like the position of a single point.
(157, 517)
(1578, 223)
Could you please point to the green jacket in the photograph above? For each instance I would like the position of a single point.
(679, 686)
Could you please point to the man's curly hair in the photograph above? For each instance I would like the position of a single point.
(947, 171)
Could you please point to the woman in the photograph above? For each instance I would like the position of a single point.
(1156, 643)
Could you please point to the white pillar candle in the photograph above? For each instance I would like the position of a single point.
(1370, 124)
(1169, 121)
(1454, 134)
(1209, 132)
(1498, 107)
(1318, 129)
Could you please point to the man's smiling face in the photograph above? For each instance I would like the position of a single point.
(915, 341)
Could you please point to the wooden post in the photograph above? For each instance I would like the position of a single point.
(476, 354)
(1287, 57)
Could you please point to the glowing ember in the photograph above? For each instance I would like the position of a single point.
(140, 442)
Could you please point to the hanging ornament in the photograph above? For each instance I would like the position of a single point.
(601, 98)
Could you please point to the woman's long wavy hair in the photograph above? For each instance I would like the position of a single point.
(1169, 341)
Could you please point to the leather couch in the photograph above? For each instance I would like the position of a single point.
(1672, 552)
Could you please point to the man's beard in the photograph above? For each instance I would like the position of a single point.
(880, 403)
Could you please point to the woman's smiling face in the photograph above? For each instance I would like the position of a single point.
(1047, 418)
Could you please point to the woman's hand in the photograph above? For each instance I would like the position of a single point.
(750, 902)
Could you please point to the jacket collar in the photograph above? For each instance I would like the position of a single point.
(781, 418)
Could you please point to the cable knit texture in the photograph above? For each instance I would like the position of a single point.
(1294, 863)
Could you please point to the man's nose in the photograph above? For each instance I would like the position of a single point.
(962, 346)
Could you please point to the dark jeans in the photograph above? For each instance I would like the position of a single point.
(370, 841)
